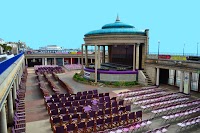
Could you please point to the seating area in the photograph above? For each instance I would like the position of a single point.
(188, 123)
(73, 67)
(90, 111)
(19, 114)
(48, 69)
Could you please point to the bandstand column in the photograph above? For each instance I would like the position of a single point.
(3, 120)
(96, 60)
(134, 57)
(99, 57)
(14, 91)
(78, 60)
(91, 60)
(103, 54)
(86, 55)
(54, 61)
(82, 56)
(63, 61)
(181, 82)
(157, 76)
(45, 61)
(187, 89)
(10, 108)
(71, 61)
(137, 56)
(17, 82)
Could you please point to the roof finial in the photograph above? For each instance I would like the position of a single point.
(117, 19)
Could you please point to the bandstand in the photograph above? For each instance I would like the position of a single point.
(127, 49)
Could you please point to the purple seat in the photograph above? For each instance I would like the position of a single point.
(115, 121)
(75, 117)
(82, 102)
(81, 127)
(108, 122)
(106, 94)
(95, 96)
(77, 98)
(70, 99)
(68, 104)
(101, 100)
(115, 111)
(95, 91)
(54, 96)
(51, 107)
(90, 92)
(101, 95)
(139, 115)
(66, 119)
(61, 95)
(124, 119)
(75, 103)
(92, 115)
(71, 110)
(100, 124)
(100, 114)
(71, 127)
(121, 103)
(122, 110)
(56, 100)
(55, 121)
(90, 126)
(83, 97)
(107, 99)
(60, 105)
(128, 108)
(83, 116)
(79, 94)
(59, 129)
(107, 113)
(79, 110)
(63, 99)
(88, 102)
(101, 106)
(54, 113)
(114, 104)
(107, 105)
(62, 111)
(89, 96)
(131, 117)
(85, 93)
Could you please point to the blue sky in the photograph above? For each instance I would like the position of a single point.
(64, 22)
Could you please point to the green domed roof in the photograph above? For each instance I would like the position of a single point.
(116, 28)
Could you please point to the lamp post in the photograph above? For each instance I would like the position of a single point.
(197, 49)
(158, 48)
(183, 48)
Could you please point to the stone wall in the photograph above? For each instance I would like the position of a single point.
(151, 71)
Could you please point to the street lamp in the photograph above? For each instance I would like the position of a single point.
(183, 48)
(158, 48)
(197, 49)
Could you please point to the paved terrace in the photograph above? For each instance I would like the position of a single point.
(38, 119)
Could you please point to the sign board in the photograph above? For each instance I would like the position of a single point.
(86, 74)
(174, 57)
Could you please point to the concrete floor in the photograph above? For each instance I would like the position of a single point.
(38, 119)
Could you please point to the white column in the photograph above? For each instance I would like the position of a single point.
(17, 82)
(54, 61)
(103, 54)
(157, 77)
(63, 61)
(91, 60)
(3, 120)
(86, 55)
(99, 58)
(71, 61)
(134, 57)
(10, 108)
(78, 60)
(45, 61)
(189, 83)
(137, 56)
(82, 56)
(96, 64)
(181, 81)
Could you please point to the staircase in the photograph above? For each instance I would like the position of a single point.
(148, 79)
